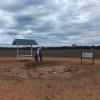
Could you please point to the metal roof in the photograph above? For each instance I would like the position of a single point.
(24, 42)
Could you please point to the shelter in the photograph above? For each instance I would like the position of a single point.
(24, 42)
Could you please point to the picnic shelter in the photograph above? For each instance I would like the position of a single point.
(24, 42)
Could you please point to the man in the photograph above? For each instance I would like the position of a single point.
(39, 53)
(35, 55)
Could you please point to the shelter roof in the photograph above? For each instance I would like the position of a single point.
(24, 42)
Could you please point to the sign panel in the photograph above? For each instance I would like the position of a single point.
(87, 54)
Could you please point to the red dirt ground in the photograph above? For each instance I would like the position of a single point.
(79, 82)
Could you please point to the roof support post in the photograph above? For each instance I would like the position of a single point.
(31, 50)
(17, 51)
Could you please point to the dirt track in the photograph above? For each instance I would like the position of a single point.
(67, 80)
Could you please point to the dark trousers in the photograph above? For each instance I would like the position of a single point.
(36, 58)
(41, 57)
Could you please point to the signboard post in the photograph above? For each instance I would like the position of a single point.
(87, 55)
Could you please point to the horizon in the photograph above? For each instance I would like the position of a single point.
(26, 46)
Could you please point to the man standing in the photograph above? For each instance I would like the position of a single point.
(35, 55)
(39, 53)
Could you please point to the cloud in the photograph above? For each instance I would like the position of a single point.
(16, 5)
(51, 22)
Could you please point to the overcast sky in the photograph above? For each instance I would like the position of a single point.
(51, 22)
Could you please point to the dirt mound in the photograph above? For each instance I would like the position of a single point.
(40, 71)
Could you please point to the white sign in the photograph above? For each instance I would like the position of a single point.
(87, 54)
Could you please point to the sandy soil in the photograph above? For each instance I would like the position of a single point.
(56, 79)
